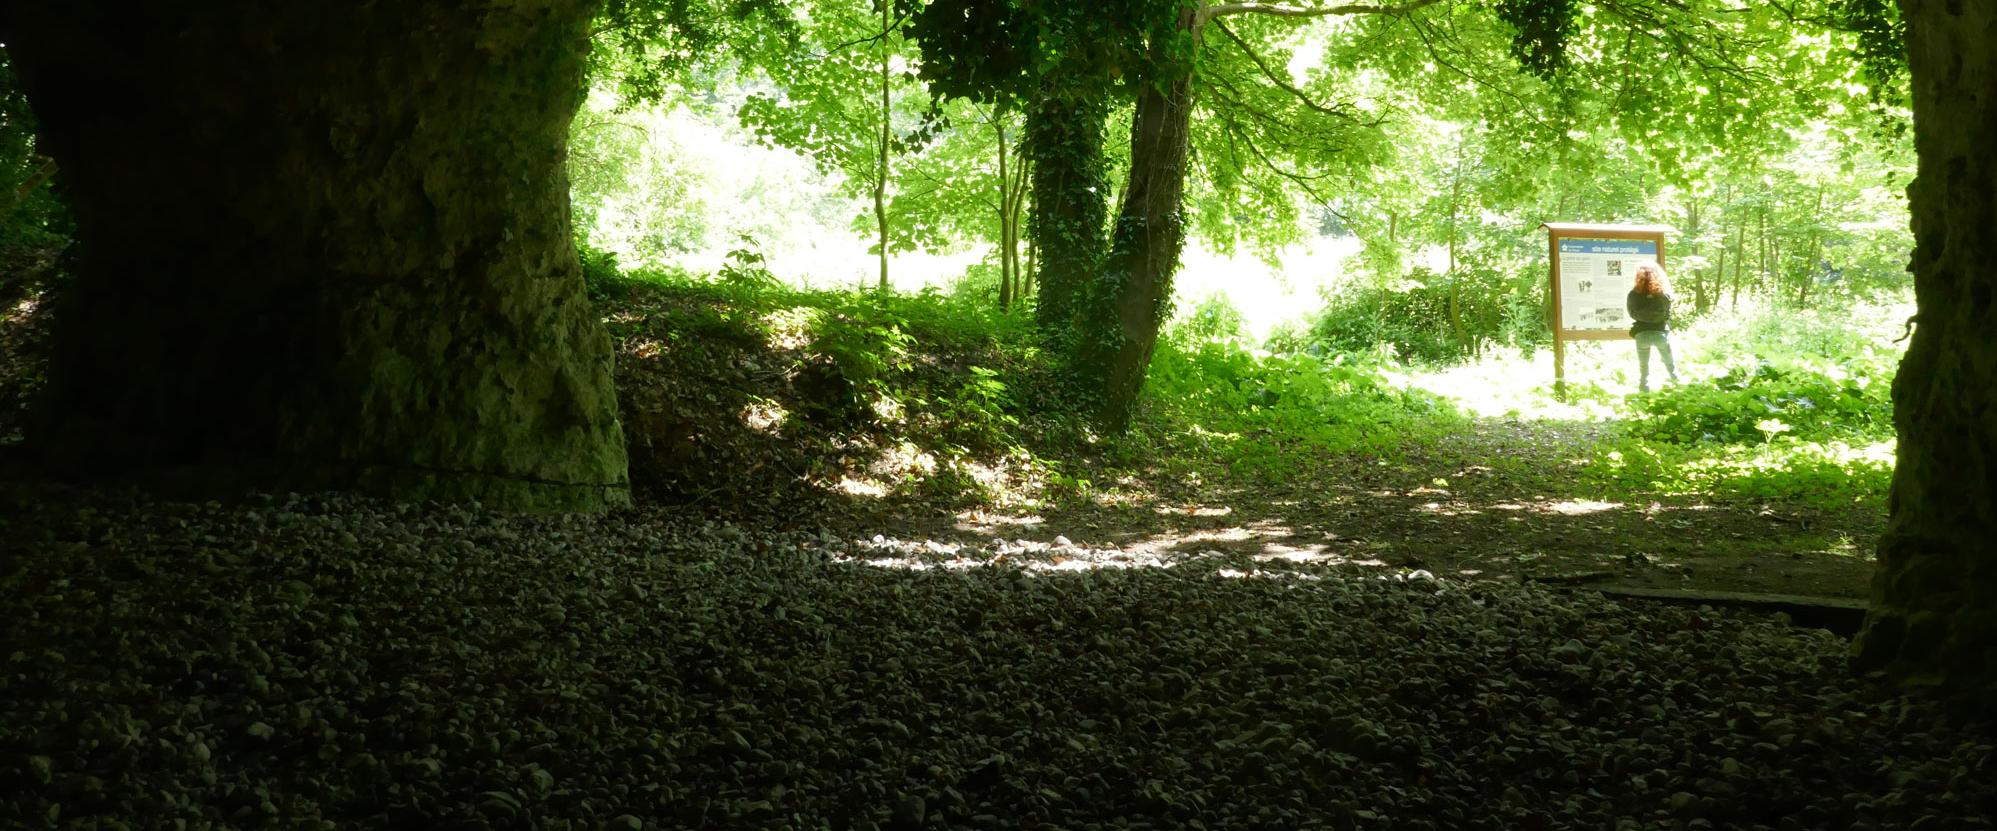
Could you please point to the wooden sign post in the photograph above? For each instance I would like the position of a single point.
(1592, 269)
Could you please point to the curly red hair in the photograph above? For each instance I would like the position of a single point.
(1650, 279)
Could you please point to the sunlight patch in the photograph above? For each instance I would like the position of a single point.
(1024, 555)
(1225, 536)
(24, 309)
(764, 417)
(1440, 509)
(1310, 554)
(1579, 507)
(887, 410)
(858, 487)
(901, 459)
(978, 520)
(1194, 510)
(790, 328)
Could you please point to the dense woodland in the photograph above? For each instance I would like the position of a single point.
(959, 414)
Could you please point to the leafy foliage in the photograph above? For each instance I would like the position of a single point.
(1766, 400)
(1544, 27)
(1797, 408)
(643, 46)
(738, 388)
(1269, 415)
(35, 229)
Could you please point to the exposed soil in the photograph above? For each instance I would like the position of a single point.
(1444, 512)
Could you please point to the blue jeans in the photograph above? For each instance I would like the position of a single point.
(1646, 341)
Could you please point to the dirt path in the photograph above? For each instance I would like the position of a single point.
(1446, 513)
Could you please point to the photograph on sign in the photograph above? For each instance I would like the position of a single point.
(1595, 278)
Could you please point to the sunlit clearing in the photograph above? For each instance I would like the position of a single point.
(1516, 386)
(1265, 296)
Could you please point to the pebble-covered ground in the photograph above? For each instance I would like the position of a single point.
(335, 663)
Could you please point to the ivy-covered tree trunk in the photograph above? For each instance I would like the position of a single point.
(325, 245)
(1131, 297)
(1069, 222)
(1934, 597)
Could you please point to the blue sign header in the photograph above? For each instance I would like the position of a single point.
(1631, 247)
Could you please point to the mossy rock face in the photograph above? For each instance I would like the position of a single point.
(1932, 622)
(326, 245)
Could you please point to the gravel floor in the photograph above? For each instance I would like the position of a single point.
(328, 662)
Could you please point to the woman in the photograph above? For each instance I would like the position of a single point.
(1650, 306)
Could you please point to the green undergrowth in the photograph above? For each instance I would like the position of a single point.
(1274, 416)
(743, 393)
(1777, 406)
(1271, 417)
(739, 391)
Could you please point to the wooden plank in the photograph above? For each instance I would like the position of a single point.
(1734, 598)
(1590, 229)
(1839, 614)
(1595, 334)
(1573, 577)
(1553, 288)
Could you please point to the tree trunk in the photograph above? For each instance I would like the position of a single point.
(325, 245)
(1764, 273)
(1067, 227)
(1455, 279)
(886, 144)
(1004, 217)
(1816, 252)
(1020, 284)
(1710, 284)
(1934, 596)
(1132, 298)
(1740, 266)
(1692, 230)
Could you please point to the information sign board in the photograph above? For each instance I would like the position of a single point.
(1595, 279)
(1592, 268)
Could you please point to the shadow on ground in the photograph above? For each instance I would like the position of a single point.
(1447, 514)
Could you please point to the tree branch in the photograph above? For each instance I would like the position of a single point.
(1301, 181)
(1206, 13)
(1274, 78)
(885, 31)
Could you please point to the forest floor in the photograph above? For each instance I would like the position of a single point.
(822, 618)
(1487, 504)
(1495, 498)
